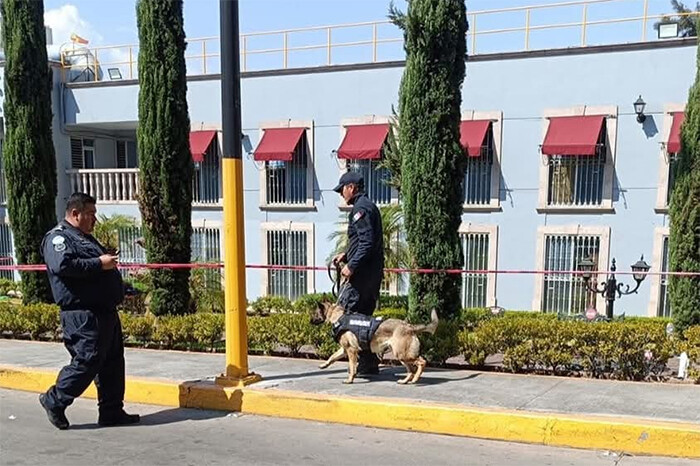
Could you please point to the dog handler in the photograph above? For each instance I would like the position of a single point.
(87, 287)
(364, 258)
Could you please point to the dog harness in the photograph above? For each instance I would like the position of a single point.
(361, 325)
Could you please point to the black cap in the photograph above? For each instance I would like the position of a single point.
(350, 177)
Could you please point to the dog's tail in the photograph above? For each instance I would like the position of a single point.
(430, 328)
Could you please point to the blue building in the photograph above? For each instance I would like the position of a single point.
(559, 167)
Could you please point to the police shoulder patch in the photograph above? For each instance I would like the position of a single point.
(358, 215)
(59, 243)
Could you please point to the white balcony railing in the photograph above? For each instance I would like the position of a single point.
(111, 185)
(120, 185)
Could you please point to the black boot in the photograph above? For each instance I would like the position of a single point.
(118, 418)
(57, 416)
(368, 363)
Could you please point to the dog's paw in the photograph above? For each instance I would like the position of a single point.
(322, 366)
(347, 381)
(402, 382)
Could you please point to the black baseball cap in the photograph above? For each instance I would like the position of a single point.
(350, 177)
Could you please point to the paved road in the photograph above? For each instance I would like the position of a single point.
(194, 437)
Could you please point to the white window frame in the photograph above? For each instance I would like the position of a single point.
(496, 118)
(307, 227)
(126, 142)
(662, 184)
(492, 232)
(310, 138)
(606, 206)
(573, 230)
(343, 163)
(83, 149)
(657, 260)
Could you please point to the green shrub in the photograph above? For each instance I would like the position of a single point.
(138, 327)
(309, 302)
(266, 305)
(691, 345)
(444, 344)
(173, 331)
(292, 331)
(391, 313)
(208, 329)
(321, 337)
(261, 334)
(9, 319)
(38, 319)
(7, 285)
(396, 302)
(622, 350)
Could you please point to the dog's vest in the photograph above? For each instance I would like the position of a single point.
(361, 325)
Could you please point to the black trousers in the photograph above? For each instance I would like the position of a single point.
(96, 346)
(359, 296)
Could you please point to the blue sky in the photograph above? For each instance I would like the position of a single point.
(114, 21)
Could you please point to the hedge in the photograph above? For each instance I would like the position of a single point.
(633, 349)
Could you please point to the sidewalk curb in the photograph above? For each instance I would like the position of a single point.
(631, 435)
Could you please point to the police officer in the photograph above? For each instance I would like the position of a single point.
(87, 287)
(364, 257)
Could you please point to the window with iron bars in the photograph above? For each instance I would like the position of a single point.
(376, 178)
(664, 306)
(475, 247)
(477, 176)
(566, 293)
(578, 180)
(205, 182)
(205, 245)
(6, 251)
(286, 181)
(285, 247)
(673, 158)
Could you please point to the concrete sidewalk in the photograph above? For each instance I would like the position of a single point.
(470, 402)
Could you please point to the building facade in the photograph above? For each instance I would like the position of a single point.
(559, 169)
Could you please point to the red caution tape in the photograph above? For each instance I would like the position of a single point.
(219, 265)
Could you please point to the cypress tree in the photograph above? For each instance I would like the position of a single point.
(432, 160)
(685, 215)
(165, 198)
(28, 152)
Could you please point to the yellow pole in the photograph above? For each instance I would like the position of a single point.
(236, 373)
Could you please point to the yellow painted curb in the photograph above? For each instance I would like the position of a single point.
(635, 436)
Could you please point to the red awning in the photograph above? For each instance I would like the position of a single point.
(575, 135)
(278, 144)
(199, 144)
(674, 139)
(363, 141)
(472, 135)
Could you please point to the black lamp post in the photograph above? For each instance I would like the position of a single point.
(609, 288)
(639, 106)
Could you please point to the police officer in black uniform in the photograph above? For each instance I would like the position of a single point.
(364, 258)
(87, 287)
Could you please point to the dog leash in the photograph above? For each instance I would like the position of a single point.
(335, 280)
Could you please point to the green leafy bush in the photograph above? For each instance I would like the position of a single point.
(261, 334)
(266, 305)
(397, 302)
(621, 350)
(309, 302)
(7, 285)
(692, 347)
(138, 327)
